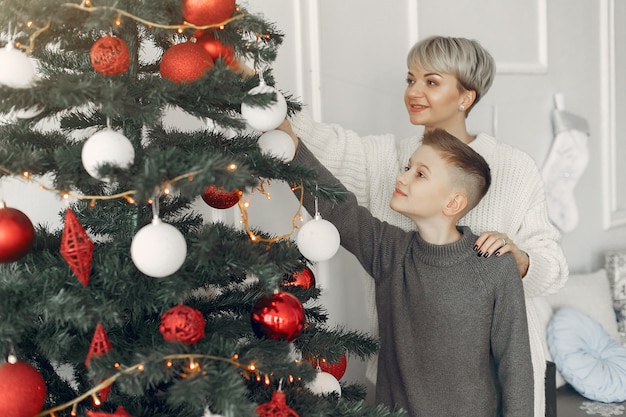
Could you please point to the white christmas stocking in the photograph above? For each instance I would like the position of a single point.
(565, 164)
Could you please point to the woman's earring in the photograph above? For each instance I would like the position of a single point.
(461, 108)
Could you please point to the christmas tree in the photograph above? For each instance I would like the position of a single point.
(137, 305)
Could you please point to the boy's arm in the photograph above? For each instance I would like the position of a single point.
(362, 163)
(510, 343)
(360, 232)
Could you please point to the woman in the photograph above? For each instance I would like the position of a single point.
(446, 78)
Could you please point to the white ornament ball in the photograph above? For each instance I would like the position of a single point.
(27, 113)
(318, 239)
(323, 384)
(158, 249)
(15, 114)
(17, 70)
(208, 413)
(107, 146)
(265, 118)
(277, 143)
(227, 132)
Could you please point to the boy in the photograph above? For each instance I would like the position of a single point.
(453, 330)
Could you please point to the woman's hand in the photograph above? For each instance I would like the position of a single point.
(496, 243)
(242, 67)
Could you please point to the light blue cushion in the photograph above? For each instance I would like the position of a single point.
(587, 356)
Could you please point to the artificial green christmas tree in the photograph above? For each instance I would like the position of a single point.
(137, 305)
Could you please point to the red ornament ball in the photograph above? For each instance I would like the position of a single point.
(302, 278)
(119, 411)
(110, 56)
(207, 12)
(185, 62)
(219, 198)
(17, 234)
(276, 407)
(279, 316)
(22, 390)
(214, 47)
(336, 369)
(182, 324)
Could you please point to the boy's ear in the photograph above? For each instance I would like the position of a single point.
(456, 205)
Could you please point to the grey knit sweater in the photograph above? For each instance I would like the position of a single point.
(453, 330)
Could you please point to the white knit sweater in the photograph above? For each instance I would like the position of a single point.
(515, 205)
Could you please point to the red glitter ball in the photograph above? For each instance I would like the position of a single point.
(207, 12)
(185, 62)
(219, 198)
(214, 47)
(22, 390)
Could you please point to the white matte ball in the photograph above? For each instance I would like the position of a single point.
(27, 113)
(107, 146)
(265, 118)
(17, 70)
(318, 240)
(15, 114)
(158, 249)
(324, 383)
(277, 143)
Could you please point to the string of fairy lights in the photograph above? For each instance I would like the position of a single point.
(189, 364)
(165, 189)
(191, 368)
(88, 6)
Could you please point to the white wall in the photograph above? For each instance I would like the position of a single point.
(346, 60)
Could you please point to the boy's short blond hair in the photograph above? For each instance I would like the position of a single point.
(471, 171)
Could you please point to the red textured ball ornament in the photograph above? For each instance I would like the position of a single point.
(276, 407)
(110, 56)
(16, 234)
(182, 324)
(214, 47)
(303, 278)
(279, 316)
(207, 12)
(219, 198)
(22, 390)
(185, 62)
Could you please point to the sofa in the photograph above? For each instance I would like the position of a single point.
(585, 340)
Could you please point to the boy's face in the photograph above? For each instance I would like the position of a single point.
(423, 189)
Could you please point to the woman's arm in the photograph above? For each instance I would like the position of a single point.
(362, 163)
(530, 236)
(547, 268)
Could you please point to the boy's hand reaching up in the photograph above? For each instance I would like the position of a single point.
(285, 126)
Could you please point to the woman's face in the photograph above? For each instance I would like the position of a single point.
(433, 98)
